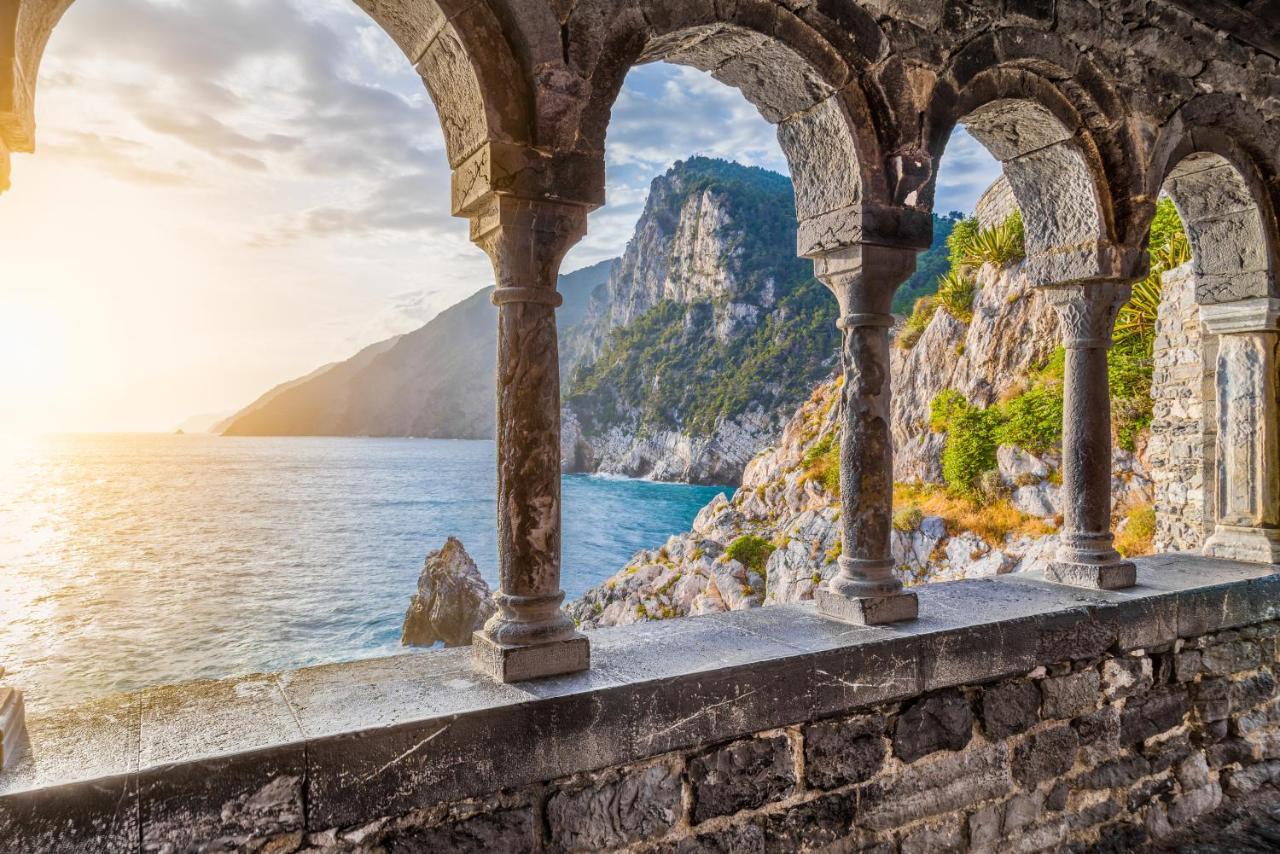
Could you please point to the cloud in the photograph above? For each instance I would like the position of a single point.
(308, 90)
(126, 159)
(966, 170)
(402, 204)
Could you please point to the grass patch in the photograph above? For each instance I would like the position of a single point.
(993, 522)
(822, 462)
(923, 312)
(1139, 532)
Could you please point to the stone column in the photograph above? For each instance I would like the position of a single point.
(1248, 448)
(529, 636)
(1085, 555)
(865, 590)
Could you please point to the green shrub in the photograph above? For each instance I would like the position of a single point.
(751, 551)
(1032, 420)
(970, 449)
(945, 407)
(822, 462)
(907, 519)
(923, 312)
(955, 293)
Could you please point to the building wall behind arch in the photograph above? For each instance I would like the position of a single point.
(1180, 452)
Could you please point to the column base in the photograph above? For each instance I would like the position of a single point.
(13, 726)
(1254, 545)
(516, 663)
(1098, 576)
(867, 611)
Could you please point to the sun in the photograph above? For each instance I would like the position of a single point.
(33, 348)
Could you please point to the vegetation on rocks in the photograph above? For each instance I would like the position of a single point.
(822, 462)
(969, 246)
(1137, 531)
(752, 551)
(1031, 419)
(930, 265)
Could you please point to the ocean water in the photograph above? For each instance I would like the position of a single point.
(128, 561)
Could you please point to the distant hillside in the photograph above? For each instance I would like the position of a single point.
(435, 382)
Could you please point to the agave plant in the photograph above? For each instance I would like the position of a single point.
(1137, 321)
(956, 292)
(999, 245)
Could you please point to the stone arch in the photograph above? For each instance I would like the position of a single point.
(802, 71)
(1216, 173)
(459, 49)
(1214, 160)
(1051, 135)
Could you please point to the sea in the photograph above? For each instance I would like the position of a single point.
(135, 560)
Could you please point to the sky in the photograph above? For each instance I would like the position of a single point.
(228, 195)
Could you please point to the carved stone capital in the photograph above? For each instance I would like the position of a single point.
(526, 239)
(864, 279)
(1250, 315)
(1088, 312)
(520, 171)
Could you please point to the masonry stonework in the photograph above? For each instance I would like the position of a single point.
(1093, 752)
(1180, 450)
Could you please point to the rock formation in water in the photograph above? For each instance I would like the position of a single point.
(453, 600)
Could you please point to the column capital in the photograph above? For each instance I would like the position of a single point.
(526, 238)
(864, 278)
(1088, 312)
(1249, 315)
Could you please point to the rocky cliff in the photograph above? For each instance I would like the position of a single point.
(705, 337)
(434, 382)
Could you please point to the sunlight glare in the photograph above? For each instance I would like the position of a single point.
(33, 348)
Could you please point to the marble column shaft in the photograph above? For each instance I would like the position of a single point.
(529, 636)
(1086, 556)
(1247, 494)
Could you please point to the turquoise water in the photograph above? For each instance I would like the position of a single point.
(128, 561)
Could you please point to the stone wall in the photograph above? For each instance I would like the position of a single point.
(1110, 750)
(995, 204)
(1180, 451)
(1014, 713)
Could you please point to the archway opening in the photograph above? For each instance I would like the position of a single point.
(712, 330)
(1221, 259)
(979, 445)
(235, 205)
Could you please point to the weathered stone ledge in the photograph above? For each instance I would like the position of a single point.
(343, 746)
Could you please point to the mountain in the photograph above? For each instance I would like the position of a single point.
(436, 381)
(709, 332)
(204, 423)
(679, 360)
